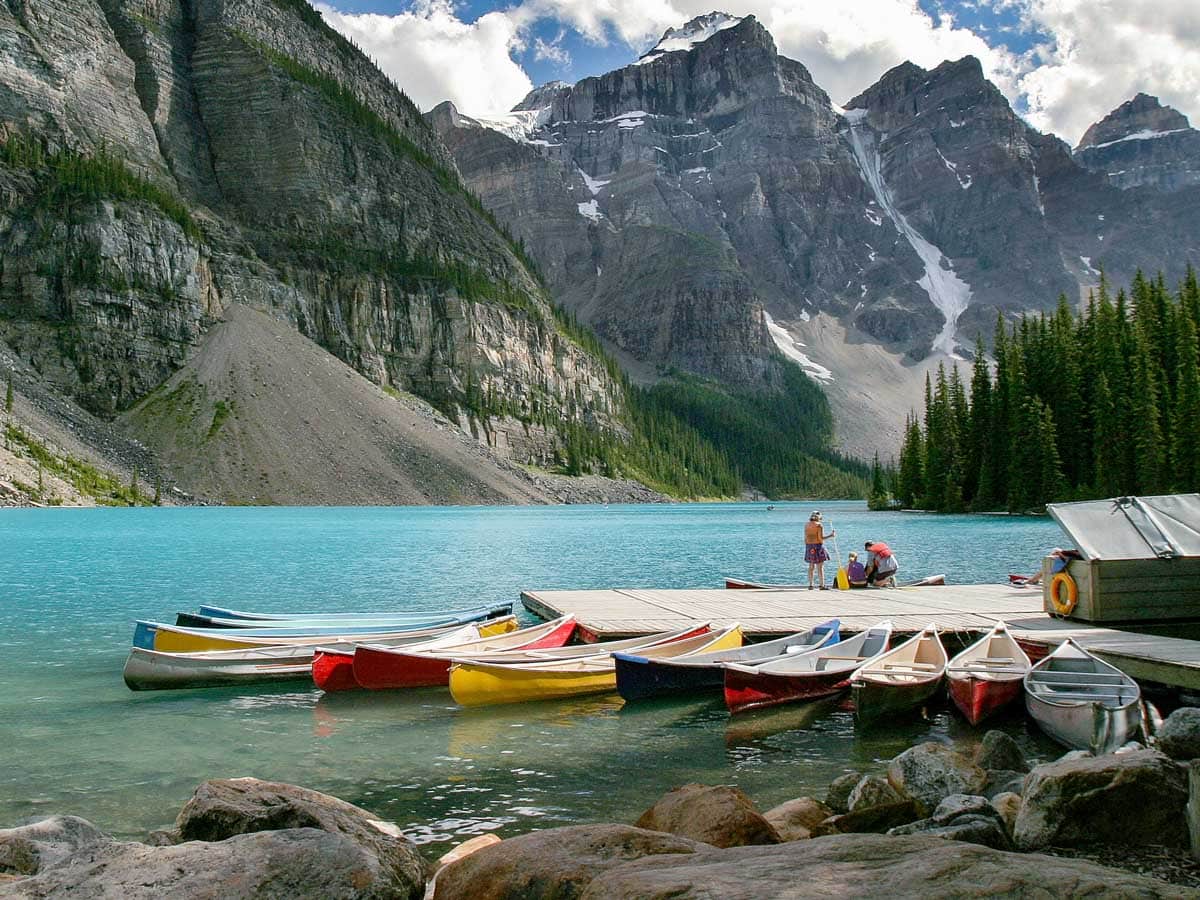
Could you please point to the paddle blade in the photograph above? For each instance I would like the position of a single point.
(843, 580)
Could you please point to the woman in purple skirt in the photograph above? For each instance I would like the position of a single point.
(815, 553)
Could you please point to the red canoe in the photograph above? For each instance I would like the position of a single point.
(988, 675)
(803, 676)
(383, 668)
(333, 665)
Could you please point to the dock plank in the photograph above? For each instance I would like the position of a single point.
(616, 613)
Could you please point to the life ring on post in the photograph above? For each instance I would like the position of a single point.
(1060, 584)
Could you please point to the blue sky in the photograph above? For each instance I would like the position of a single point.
(1062, 63)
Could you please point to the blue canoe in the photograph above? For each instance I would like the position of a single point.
(639, 678)
(266, 620)
(401, 620)
(148, 635)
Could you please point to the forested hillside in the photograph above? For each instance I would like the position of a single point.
(1098, 403)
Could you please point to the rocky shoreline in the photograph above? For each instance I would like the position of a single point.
(931, 822)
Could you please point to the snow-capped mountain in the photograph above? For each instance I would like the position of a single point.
(671, 201)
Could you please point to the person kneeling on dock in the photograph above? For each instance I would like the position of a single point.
(881, 564)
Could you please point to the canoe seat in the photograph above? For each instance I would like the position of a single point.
(972, 669)
(830, 656)
(912, 667)
(992, 661)
(1128, 697)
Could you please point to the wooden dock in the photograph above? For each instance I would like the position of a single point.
(967, 609)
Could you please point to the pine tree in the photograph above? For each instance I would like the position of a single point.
(1185, 448)
(910, 480)
(978, 488)
(1145, 432)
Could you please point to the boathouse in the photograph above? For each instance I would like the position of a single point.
(1140, 560)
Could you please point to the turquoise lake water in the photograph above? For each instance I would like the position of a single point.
(77, 741)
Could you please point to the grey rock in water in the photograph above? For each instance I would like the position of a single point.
(837, 797)
(300, 862)
(1000, 752)
(957, 805)
(1007, 806)
(872, 790)
(722, 816)
(1179, 736)
(27, 849)
(794, 820)
(930, 772)
(870, 819)
(917, 866)
(1124, 800)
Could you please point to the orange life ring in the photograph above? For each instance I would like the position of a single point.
(1057, 583)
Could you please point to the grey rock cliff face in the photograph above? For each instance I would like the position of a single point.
(319, 193)
(1142, 142)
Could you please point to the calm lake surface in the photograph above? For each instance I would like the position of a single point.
(77, 741)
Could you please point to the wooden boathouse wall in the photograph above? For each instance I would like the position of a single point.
(1131, 590)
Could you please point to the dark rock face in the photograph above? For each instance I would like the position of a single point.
(1142, 143)
(721, 816)
(314, 190)
(1124, 799)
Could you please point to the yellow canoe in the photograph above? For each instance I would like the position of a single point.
(182, 640)
(479, 683)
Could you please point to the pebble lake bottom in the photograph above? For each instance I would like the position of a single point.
(78, 742)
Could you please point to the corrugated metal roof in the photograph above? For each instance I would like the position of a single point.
(1132, 527)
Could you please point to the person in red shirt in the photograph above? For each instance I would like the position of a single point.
(815, 553)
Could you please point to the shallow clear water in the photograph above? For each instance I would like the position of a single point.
(76, 741)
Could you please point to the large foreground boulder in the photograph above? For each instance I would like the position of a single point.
(794, 820)
(1179, 736)
(222, 808)
(931, 772)
(722, 816)
(301, 862)
(1126, 799)
(28, 849)
(839, 866)
(551, 864)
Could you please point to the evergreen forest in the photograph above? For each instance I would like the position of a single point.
(1074, 405)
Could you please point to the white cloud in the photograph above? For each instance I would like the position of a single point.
(1104, 52)
(433, 55)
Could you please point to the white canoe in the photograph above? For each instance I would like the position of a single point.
(1081, 701)
(148, 670)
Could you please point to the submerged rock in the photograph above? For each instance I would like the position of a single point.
(1129, 799)
(930, 772)
(722, 816)
(999, 752)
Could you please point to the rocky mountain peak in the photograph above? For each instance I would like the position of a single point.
(1142, 143)
(543, 96)
(692, 33)
(1144, 115)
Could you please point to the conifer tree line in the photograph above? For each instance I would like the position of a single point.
(1098, 403)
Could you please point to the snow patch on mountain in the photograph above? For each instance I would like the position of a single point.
(790, 347)
(949, 293)
(1145, 135)
(519, 124)
(591, 210)
(687, 36)
(593, 184)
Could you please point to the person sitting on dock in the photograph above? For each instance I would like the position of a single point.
(856, 572)
(881, 564)
(815, 553)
